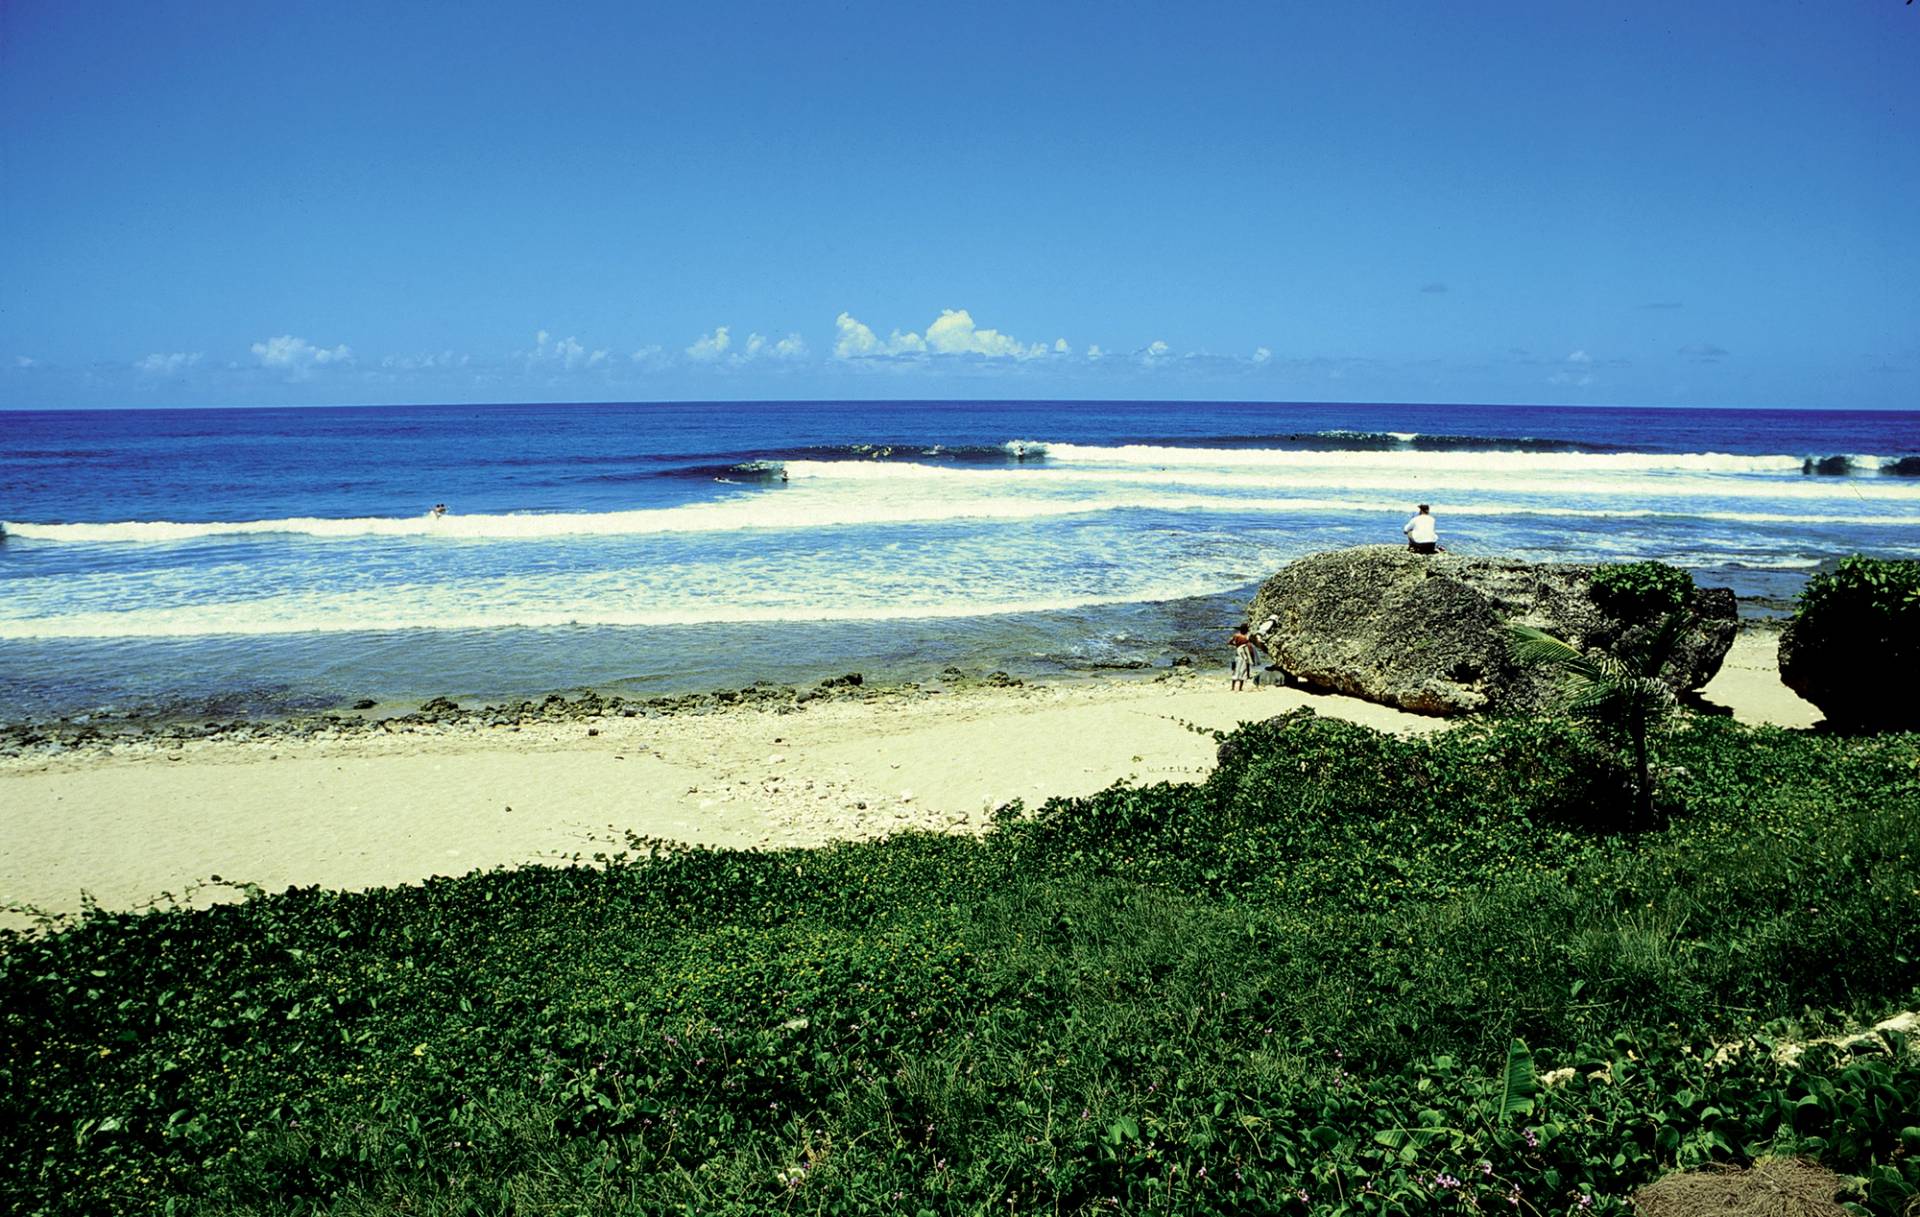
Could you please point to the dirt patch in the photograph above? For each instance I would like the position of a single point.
(1771, 1187)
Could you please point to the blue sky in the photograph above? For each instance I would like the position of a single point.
(214, 203)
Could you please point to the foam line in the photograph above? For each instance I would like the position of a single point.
(250, 620)
(780, 512)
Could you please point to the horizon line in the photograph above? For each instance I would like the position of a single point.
(945, 401)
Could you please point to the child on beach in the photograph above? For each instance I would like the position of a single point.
(1243, 645)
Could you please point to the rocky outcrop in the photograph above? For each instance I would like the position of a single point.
(1428, 633)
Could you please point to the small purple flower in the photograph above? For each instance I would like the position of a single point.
(1586, 1200)
(1201, 1173)
(1533, 1139)
(1486, 1167)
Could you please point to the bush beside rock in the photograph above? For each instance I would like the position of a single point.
(1853, 646)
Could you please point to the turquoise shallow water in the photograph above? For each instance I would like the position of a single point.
(254, 561)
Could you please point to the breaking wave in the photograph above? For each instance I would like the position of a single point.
(776, 512)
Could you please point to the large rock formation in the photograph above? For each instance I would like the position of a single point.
(1428, 633)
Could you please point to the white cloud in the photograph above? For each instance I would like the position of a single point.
(1579, 357)
(425, 363)
(297, 354)
(719, 347)
(854, 340)
(712, 346)
(1262, 355)
(171, 364)
(1060, 346)
(653, 353)
(953, 332)
(25, 361)
(1156, 350)
(1094, 351)
(568, 353)
(758, 347)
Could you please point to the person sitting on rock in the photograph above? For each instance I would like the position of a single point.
(1243, 645)
(1423, 537)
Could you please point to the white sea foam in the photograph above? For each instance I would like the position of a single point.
(781, 511)
(1401, 477)
(758, 511)
(1428, 462)
(355, 615)
(1076, 479)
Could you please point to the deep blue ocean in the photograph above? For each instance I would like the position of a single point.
(247, 562)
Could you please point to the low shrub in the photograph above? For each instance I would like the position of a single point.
(1853, 645)
(1636, 593)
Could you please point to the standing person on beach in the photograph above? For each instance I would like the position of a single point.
(1243, 645)
(1423, 536)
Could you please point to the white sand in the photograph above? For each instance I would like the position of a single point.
(363, 811)
(1748, 685)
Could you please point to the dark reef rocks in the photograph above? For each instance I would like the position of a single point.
(108, 729)
(1427, 633)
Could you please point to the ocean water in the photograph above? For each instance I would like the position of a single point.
(245, 562)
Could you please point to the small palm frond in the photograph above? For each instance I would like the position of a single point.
(1593, 699)
(1652, 652)
(1531, 647)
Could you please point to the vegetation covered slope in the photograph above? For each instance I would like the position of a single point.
(1296, 987)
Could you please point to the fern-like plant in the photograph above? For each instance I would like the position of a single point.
(1623, 693)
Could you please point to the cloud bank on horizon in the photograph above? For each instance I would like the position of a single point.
(565, 368)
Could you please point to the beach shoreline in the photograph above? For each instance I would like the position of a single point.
(182, 819)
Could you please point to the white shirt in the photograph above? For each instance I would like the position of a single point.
(1420, 529)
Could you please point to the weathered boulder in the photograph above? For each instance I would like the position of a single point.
(1427, 633)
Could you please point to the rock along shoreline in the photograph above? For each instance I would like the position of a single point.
(107, 731)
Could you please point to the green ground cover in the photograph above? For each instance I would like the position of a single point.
(1325, 980)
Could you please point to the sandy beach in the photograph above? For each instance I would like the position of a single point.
(128, 824)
